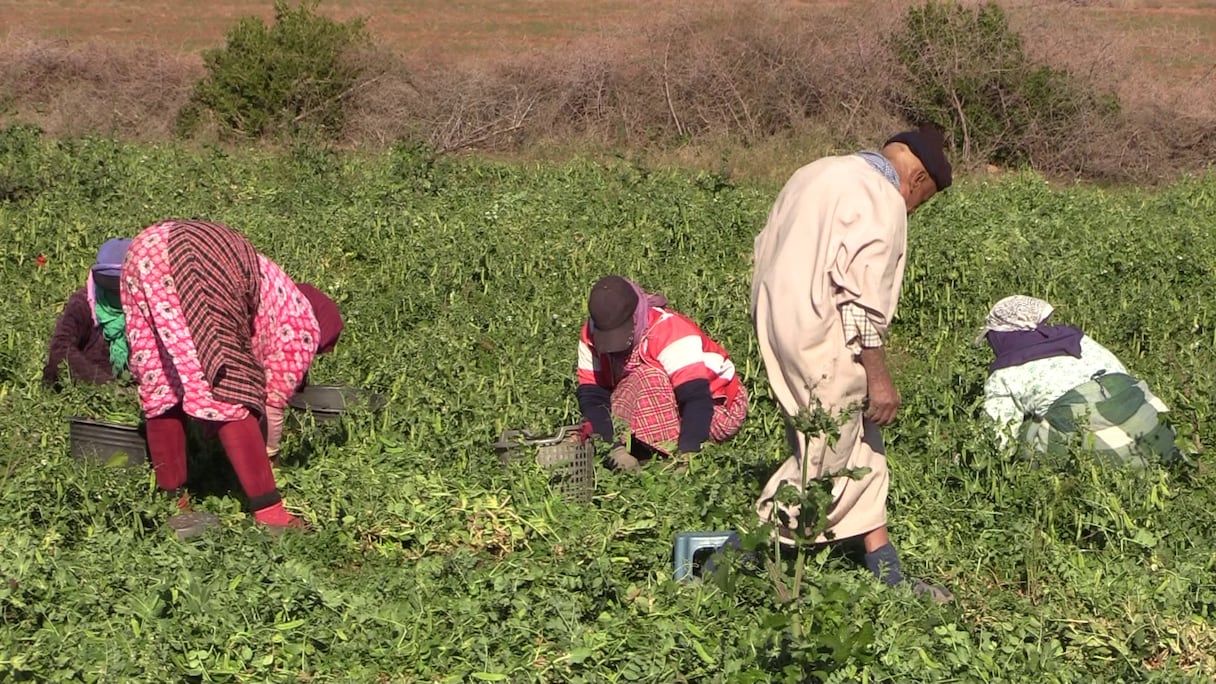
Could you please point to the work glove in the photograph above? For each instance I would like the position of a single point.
(621, 460)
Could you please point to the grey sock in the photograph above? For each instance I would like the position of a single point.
(884, 563)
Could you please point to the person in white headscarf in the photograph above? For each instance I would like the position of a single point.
(1055, 389)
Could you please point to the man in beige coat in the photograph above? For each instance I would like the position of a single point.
(826, 280)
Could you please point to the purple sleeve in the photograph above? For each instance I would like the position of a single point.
(594, 402)
(696, 414)
(72, 331)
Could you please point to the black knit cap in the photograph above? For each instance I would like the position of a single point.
(927, 144)
(611, 305)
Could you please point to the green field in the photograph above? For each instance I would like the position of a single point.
(463, 284)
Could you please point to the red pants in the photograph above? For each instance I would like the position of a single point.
(243, 443)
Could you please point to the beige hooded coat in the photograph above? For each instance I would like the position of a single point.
(836, 234)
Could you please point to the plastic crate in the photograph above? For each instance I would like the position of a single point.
(571, 463)
(688, 547)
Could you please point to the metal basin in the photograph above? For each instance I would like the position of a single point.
(95, 440)
(329, 402)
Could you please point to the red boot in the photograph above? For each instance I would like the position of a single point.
(166, 435)
(276, 516)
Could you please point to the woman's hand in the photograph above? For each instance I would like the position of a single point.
(620, 459)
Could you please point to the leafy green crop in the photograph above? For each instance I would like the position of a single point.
(463, 284)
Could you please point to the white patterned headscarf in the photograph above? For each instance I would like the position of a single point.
(1017, 312)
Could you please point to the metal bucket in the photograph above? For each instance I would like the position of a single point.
(571, 463)
(329, 402)
(103, 442)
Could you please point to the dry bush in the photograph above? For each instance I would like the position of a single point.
(449, 107)
(498, 109)
(748, 70)
(579, 92)
(756, 70)
(92, 87)
(384, 106)
(1166, 124)
(753, 72)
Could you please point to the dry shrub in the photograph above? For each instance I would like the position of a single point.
(748, 70)
(574, 92)
(754, 72)
(93, 87)
(450, 107)
(385, 103)
(1166, 124)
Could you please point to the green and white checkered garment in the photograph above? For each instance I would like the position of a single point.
(1114, 415)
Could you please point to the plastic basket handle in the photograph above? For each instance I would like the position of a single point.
(524, 437)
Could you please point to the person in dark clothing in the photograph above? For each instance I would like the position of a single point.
(90, 335)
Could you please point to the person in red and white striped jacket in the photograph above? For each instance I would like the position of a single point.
(654, 370)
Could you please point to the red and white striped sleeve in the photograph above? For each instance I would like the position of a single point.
(588, 362)
(680, 350)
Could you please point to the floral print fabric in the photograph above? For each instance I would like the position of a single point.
(163, 358)
(1016, 393)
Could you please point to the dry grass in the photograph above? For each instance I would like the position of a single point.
(748, 88)
(748, 70)
(426, 29)
(94, 87)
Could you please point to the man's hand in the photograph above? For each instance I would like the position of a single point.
(882, 400)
